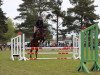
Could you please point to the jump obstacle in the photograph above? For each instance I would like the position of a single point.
(88, 45)
(77, 44)
(18, 49)
(89, 49)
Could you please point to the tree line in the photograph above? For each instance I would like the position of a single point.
(81, 14)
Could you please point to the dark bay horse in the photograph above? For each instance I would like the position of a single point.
(38, 38)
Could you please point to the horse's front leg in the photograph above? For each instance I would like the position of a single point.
(43, 40)
(36, 52)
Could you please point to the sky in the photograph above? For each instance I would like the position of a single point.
(10, 7)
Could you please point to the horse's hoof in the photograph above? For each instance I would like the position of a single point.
(34, 58)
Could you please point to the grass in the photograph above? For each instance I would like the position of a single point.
(39, 67)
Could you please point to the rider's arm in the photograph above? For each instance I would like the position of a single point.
(39, 23)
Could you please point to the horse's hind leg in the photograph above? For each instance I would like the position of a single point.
(30, 54)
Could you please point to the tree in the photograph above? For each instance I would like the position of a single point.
(11, 30)
(3, 25)
(55, 7)
(83, 12)
(29, 12)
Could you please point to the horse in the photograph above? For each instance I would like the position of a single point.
(38, 38)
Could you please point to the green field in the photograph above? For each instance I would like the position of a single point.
(39, 67)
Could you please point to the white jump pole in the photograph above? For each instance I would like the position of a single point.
(76, 43)
(12, 48)
(51, 53)
(75, 40)
(20, 45)
(23, 49)
(51, 48)
(16, 45)
(79, 46)
(67, 58)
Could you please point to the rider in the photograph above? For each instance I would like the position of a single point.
(39, 25)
